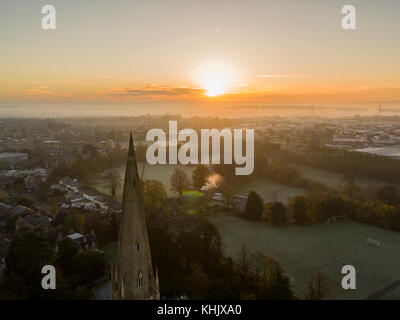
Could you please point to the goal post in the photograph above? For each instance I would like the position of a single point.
(336, 218)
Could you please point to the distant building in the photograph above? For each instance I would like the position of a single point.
(19, 209)
(32, 182)
(71, 184)
(35, 223)
(13, 157)
(84, 242)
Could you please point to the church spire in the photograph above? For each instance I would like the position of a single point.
(131, 150)
(133, 277)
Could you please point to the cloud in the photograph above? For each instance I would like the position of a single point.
(156, 91)
(39, 91)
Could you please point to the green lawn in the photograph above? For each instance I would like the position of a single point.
(324, 248)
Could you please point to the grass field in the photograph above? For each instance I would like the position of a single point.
(269, 191)
(323, 249)
(336, 180)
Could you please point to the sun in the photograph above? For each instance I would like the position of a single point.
(216, 78)
(214, 85)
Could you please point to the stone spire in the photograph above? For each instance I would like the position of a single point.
(133, 277)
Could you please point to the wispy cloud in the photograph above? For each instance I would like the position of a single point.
(293, 76)
(39, 91)
(156, 91)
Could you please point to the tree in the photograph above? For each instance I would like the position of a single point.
(102, 225)
(113, 181)
(43, 191)
(10, 222)
(154, 194)
(211, 241)
(257, 260)
(199, 176)
(67, 250)
(197, 282)
(300, 209)
(227, 171)
(244, 261)
(254, 206)
(166, 257)
(60, 218)
(222, 289)
(18, 185)
(27, 254)
(179, 181)
(276, 213)
(278, 288)
(315, 290)
(5, 198)
(388, 194)
(88, 266)
(384, 215)
(79, 221)
(90, 151)
(395, 221)
(191, 248)
(70, 221)
(275, 285)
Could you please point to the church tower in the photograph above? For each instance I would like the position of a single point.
(132, 275)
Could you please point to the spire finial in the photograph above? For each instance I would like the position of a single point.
(131, 152)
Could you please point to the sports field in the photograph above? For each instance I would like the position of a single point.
(323, 249)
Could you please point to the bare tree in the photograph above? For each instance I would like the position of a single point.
(113, 181)
(315, 289)
(244, 261)
(179, 181)
(257, 259)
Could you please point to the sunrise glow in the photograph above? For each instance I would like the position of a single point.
(216, 78)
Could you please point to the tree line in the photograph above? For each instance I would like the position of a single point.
(381, 209)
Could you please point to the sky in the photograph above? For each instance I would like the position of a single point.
(134, 51)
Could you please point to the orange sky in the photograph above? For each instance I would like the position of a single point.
(258, 51)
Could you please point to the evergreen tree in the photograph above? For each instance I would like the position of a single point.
(27, 254)
(254, 206)
(300, 210)
(276, 213)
